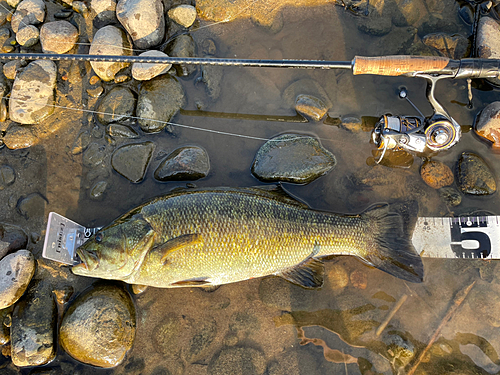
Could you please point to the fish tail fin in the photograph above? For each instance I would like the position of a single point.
(390, 249)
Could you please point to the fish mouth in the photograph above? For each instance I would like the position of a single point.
(89, 261)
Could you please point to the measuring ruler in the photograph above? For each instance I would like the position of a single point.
(436, 237)
(458, 237)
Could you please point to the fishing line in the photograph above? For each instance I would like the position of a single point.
(165, 122)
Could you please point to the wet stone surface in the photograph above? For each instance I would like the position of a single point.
(292, 158)
(117, 106)
(184, 15)
(185, 163)
(33, 327)
(131, 161)
(99, 326)
(31, 206)
(436, 174)
(474, 176)
(159, 100)
(7, 176)
(121, 131)
(488, 41)
(145, 72)
(183, 46)
(452, 46)
(16, 271)
(4, 330)
(58, 37)
(310, 107)
(487, 125)
(28, 12)
(450, 196)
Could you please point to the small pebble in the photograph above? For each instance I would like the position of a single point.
(7, 176)
(11, 68)
(436, 174)
(358, 279)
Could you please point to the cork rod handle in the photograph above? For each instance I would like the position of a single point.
(398, 65)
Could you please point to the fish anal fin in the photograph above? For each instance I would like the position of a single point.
(177, 243)
(197, 281)
(308, 274)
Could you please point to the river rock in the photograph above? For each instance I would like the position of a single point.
(436, 174)
(32, 96)
(450, 196)
(310, 107)
(97, 191)
(184, 15)
(94, 155)
(31, 206)
(488, 41)
(7, 176)
(143, 20)
(378, 22)
(12, 238)
(185, 163)
(183, 46)
(34, 322)
(484, 299)
(103, 12)
(58, 37)
(212, 77)
(408, 12)
(159, 100)
(110, 40)
(131, 161)
(117, 106)
(237, 361)
(305, 86)
(487, 126)
(99, 327)
(11, 68)
(16, 271)
(474, 176)
(145, 71)
(5, 314)
(28, 36)
(121, 131)
(28, 12)
(453, 46)
(292, 158)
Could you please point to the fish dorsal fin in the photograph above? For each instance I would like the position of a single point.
(308, 274)
(177, 243)
(276, 192)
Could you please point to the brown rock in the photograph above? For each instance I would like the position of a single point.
(436, 174)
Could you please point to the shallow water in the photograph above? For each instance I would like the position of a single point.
(296, 331)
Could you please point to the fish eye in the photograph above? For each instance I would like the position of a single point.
(98, 237)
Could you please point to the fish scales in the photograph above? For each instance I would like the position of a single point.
(218, 236)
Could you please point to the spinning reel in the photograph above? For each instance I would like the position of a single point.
(417, 134)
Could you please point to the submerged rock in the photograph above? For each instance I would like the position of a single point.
(33, 327)
(97, 191)
(110, 40)
(99, 327)
(131, 161)
(185, 163)
(159, 100)
(32, 206)
(146, 71)
(121, 131)
(28, 12)
(484, 300)
(117, 106)
(450, 196)
(143, 20)
(12, 238)
(436, 174)
(58, 37)
(453, 46)
(7, 176)
(310, 107)
(488, 41)
(308, 87)
(376, 23)
(212, 77)
(32, 96)
(103, 12)
(487, 126)
(16, 271)
(237, 360)
(474, 176)
(184, 15)
(183, 46)
(292, 158)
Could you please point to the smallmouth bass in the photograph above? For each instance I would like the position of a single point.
(215, 236)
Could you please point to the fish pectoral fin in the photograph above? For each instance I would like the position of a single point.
(308, 274)
(177, 243)
(139, 288)
(197, 281)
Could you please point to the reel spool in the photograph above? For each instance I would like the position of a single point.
(441, 135)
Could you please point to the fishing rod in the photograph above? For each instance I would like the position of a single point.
(420, 135)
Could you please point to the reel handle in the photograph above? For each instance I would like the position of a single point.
(400, 65)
